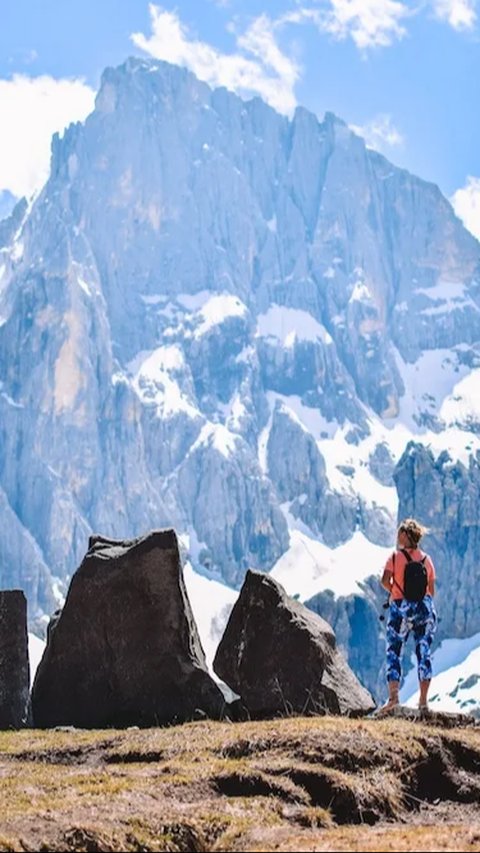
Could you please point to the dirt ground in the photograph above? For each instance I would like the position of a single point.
(318, 783)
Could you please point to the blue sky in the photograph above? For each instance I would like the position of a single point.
(405, 74)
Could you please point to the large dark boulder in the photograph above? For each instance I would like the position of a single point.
(125, 649)
(282, 658)
(14, 663)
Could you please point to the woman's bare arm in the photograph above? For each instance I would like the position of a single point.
(386, 581)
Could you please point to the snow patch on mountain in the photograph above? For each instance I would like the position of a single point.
(310, 418)
(155, 381)
(216, 309)
(218, 437)
(428, 382)
(462, 406)
(36, 648)
(348, 470)
(456, 678)
(211, 603)
(289, 325)
(361, 292)
(447, 296)
(309, 567)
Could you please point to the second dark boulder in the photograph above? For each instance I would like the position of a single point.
(281, 658)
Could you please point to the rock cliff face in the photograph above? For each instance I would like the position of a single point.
(217, 319)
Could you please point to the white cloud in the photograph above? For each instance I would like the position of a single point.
(259, 40)
(300, 16)
(258, 67)
(370, 23)
(460, 14)
(466, 203)
(379, 133)
(377, 23)
(32, 109)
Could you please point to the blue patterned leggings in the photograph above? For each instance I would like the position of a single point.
(420, 618)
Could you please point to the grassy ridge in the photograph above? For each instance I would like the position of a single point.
(291, 784)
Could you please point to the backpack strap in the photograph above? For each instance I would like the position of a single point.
(408, 557)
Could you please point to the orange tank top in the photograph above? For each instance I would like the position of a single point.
(396, 566)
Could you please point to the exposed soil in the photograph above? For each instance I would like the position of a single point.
(300, 783)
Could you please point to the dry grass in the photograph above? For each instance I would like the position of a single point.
(292, 784)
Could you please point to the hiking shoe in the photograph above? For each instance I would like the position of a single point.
(387, 709)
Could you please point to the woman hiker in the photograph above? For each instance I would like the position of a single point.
(409, 577)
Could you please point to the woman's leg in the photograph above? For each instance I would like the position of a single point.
(395, 640)
(423, 633)
(424, 688)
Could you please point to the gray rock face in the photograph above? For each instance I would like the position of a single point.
(300, 475)
(193, 261)
(376, 523)
(228, 481)
(382, 465)
(312, 370)
(22, 563)
(280, 657)
(12, 223)
(14, 663)
(125, 649)
(300, 480)
(339, 517)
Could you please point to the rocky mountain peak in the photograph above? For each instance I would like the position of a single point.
(210, 318)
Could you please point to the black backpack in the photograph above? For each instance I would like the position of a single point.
(415, 580)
